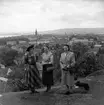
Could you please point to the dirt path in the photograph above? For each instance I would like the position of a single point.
(55, 97)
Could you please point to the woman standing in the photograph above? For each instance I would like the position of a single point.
(47, 75)
(67, 61)
(32, 74)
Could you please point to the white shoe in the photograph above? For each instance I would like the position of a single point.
(76, 86)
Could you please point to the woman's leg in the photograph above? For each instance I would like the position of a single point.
(62, 78)
(32, 90)
(68, 83)
(49, 79)
(68, 90)
(71, 82)
(48, 88)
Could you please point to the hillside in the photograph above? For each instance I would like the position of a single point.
(75, 31)
(67, 31)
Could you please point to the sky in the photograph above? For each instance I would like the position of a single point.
(28, 15)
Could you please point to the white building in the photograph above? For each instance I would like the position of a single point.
(32, 42)
(17, 48)
(75, 40)
(22, 42)
(32, 39)
(11, 42)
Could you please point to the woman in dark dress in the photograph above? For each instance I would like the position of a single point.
(32, 74)
(47, 61)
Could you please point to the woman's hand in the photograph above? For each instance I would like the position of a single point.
(48, 60)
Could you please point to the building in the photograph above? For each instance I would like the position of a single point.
(17, 48)
(39, 42)
(32, 42)
(11, 42)
(2, 46)
(32, 39)
(75, 40)
(95, 49)
(22, 42)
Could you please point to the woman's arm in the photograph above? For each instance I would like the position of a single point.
(51, 59)
(25, 59)
(61, 63)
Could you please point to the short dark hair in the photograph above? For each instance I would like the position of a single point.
(42, 50)
(67, 46)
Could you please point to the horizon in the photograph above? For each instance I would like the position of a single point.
(4, 35)
(48, 30)
(18, 16)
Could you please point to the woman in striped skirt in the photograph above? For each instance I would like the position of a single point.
(32, 74)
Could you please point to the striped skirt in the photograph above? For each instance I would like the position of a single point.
(32, 77)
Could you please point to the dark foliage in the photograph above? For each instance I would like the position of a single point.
(7, 56)
(86, 64)
(79, 49)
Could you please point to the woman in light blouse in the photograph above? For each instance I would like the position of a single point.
(47, 61)
(67, 60)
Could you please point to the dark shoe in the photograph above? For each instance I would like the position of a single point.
(36, 91)
(48, 89)
(31, 92)
(24, 98)
(67, 93)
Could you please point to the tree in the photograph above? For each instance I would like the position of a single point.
(100, 56)
(7, 56)
(86, 64)
(79, 49)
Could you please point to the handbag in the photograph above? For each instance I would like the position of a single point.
(66, 69)
(51, 68)
(72, 70)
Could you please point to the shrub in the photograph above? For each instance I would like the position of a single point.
(57, 71)
(16, 85)
(87, 64)
(16, 79)
(79, 49)
(7, 56)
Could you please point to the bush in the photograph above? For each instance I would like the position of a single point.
(16, 79)
(57, 71)
(86, 64)
(16, 85)
(7, 56)
(79, 49)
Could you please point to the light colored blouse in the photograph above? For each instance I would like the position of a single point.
(47, 58)
(67, 59)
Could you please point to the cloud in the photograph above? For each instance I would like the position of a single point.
(95, 0)
(27, 15)
(99, 16)
(81, 0)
